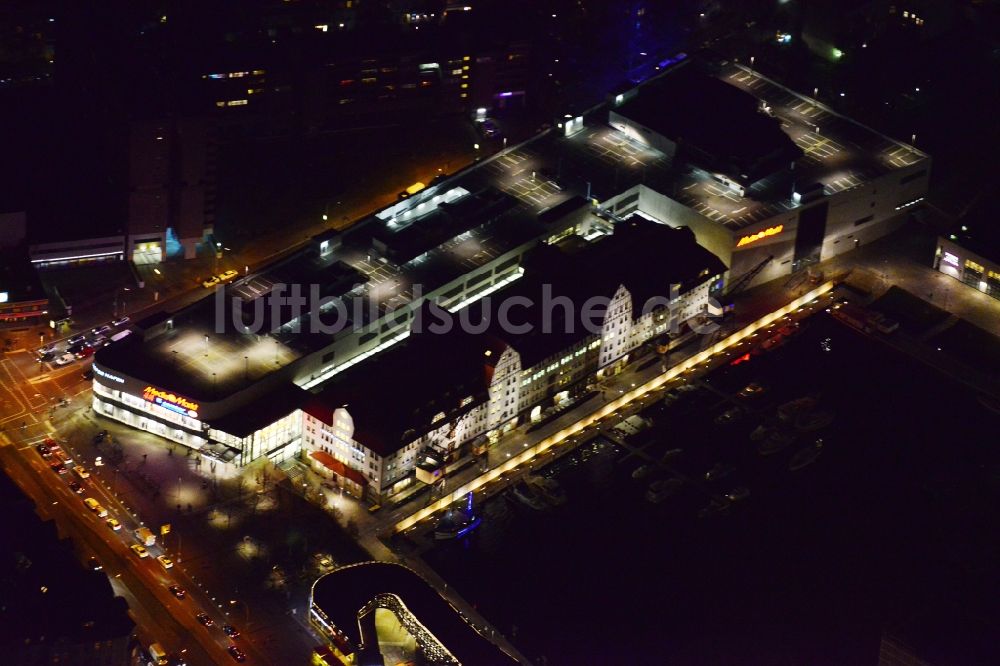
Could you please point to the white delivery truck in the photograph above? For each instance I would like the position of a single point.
(157, 654)
(145, 536)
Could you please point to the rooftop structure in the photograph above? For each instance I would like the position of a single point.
(564, 302)
(470, 235)
(714, 126)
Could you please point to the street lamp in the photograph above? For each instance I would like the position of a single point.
(246, 609)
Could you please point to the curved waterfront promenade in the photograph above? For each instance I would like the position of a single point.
(342, 602)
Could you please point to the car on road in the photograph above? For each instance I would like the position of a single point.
(121, 321)
(489, 128)
(99, 341)
(81, 472)
(231, 631)
(65, 359)
(237, 653)
(227, 275)
(58, 467)
(76, 339)
(210, 282)
(113, 523)
(94, 564)
(85, 352)
(99, 437)
(95, 506)
(177, 591)
(76, 487)
(165, 561)
(43, 450)
(139, 550)
(205, 619)
(88, 374)
(101, 330)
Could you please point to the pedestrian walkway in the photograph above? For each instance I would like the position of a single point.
(579, 422)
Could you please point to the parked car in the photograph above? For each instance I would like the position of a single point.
(121, 321)
(76, 487)
(237, 653)
(76, 339)
(489, 128)
(113, 523)
(165, 561)
(210, 282)
(85, 352)
(94, 564)
(139, 550)
(231, 631)
(65, 359)
(205, 619)
(101, 330)
(177, 591)
(227, 275)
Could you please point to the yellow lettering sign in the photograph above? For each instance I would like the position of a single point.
(170, 401)
(763, 233)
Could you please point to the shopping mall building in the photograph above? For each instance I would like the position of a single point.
(621, 203)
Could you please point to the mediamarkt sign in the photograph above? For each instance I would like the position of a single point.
(171, 401)
(763, 233)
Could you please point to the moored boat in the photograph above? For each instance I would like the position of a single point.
(457, 521)
(806, 456)
(549, 488)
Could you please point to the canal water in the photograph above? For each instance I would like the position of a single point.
(891, 526)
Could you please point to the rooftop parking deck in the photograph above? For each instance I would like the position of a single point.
(527, 180)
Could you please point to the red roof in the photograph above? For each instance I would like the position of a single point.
(338, 467)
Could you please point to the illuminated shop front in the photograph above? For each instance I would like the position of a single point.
(968, 266)
(231, 438)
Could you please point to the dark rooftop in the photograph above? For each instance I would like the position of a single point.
(449, 367)
(47, 595)
(717, 127)
(342, 593)
(979, 231)
(18, 278)
(379, 394)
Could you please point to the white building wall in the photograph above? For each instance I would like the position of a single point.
(616, 332)
(504, 389)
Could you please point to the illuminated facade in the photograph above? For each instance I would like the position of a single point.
(962, 261)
